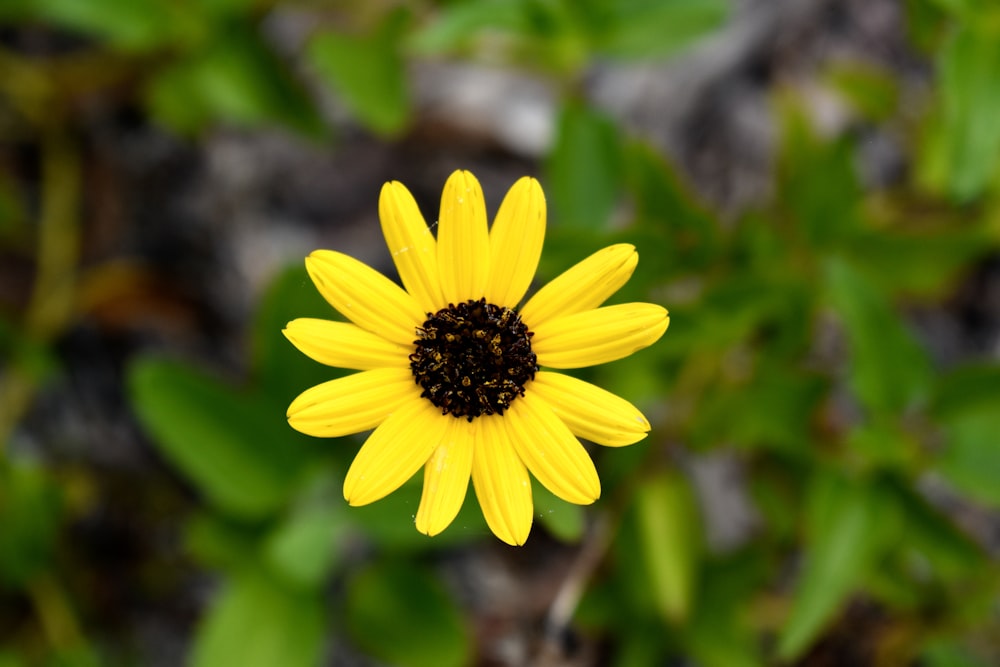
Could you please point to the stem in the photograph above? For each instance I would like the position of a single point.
(53, 297)
(568, 597)
(52, 300)
(590, 556)
(56, 617)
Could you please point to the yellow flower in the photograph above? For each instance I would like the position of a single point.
(450, 368)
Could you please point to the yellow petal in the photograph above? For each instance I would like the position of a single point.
(598, 336)
(589, 411)
(352, 404)
(463, 239)
(446, 478)
(551, 452)
(582, 287)
(502, 485)
(394, 452)
(345, 345)
(412, 246)
(365, 296)
(516, 243)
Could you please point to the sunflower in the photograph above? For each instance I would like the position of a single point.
(453, 374)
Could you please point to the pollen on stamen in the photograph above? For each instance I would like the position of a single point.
(473, 359)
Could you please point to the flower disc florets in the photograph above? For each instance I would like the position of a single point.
(473, 358)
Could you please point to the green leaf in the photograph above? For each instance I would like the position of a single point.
(653, 28)
(10, 659)
(236, 448)
(973, 388)
(368, 72)
(537, 35)
(457, 24)
(30, 514)
(872, 91)
(965, 403)
(281, 371)
(960, 8)
(222, 8)
(849, 525)
(888, 371)
(776, 488)
(969, 67)
(258, 622)
(127, 24)
(924, 23)
(75, 655)
(883, 444)
(950, 653)
(734, 309)
(971, 457)
(642, 645)
(671, 542)
(307, 546)
(219, 542)
(775, 409)
(27, 359)
(402, 616)
(917, 263)
(690, 235)
(237, 79)
(929, 533)
(584, 169)
(565, 521)
(720, 634)
(818, 181)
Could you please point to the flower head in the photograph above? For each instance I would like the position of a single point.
(454, 374)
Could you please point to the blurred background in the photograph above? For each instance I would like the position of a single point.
(814, 190)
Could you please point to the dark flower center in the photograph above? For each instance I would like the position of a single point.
(473, 358)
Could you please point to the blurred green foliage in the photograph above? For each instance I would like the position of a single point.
(789, 351)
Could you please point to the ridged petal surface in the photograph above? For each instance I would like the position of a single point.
(551, 452)
(589, 411)
(352, 404)
(584, 286)
(446, 477)
(345, 345)
(598, 336)
(412, 245)
(516, 240)
(463, 239)
(365, 296)
(502, 485)
(394, 452)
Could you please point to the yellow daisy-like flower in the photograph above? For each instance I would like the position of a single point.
(450, 368)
